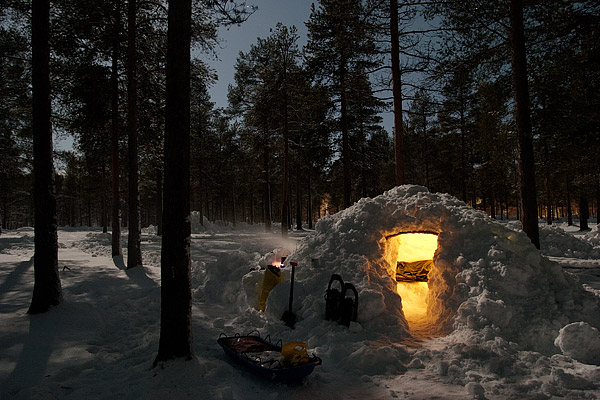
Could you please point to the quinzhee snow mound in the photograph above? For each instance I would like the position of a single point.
(487, 281)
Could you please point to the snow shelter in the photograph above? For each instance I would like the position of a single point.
(478, 275)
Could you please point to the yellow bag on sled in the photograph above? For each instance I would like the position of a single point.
(294, 353)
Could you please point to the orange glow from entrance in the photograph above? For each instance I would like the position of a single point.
(414, 247)
(414, 300)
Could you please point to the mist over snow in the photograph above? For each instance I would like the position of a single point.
(502, 319)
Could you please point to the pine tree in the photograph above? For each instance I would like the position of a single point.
(134, 251)
(47, 290)
(523, 123)
(176, 297)
(15, 117)
(263, 95)
(340, 44)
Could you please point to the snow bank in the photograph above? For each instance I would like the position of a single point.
(556, 242)
(487, 280)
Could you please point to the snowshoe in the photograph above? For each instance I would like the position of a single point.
(333, 298)
(349, 305)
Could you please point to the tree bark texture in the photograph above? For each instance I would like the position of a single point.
(134, 252)
(298, 201)
(115, 134)
(345, 135)
(397, 94)
(529, 218)
(266, 190)
(286, 162)
(176, 298)
(584, 213)
(47, 290)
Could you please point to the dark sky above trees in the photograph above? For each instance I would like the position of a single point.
(240, 38)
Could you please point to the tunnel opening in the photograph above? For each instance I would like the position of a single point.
(414, 260)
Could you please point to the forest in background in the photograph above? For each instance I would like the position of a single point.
(302, 135)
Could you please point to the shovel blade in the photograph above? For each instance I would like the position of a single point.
(289, 318)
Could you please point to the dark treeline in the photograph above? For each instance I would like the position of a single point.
(303, 134)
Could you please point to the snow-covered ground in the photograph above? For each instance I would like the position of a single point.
(101, 342)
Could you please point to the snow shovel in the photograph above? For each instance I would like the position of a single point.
(288, 317)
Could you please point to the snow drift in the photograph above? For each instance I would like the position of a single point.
(487, 281)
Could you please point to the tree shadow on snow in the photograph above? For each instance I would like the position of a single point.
(13, 278)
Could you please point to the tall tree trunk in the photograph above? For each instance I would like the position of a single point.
(114, 105)
(134, 252)
(47, 289)
(345, 135)
(266, 191)
(397, 94)
(252, 206)
(104, 215)
(298, 201)
(463, 147)
(286, 174)
(345, 152)
(569, 209)
(309, 214)
(584, 213)
(176, 296)
(523, 123)
(234, 206)
(548, 197)
(426, 150)
(159, 203)
(598, 203)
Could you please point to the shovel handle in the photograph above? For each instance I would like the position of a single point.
(293, 264)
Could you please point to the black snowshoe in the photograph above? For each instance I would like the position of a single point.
(341, 304)
(349, 305)
(333, 298)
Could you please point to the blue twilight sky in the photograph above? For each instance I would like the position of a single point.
(240, 38)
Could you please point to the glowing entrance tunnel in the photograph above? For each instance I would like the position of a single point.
(415, 258)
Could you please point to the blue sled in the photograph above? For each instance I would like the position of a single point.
(264, 358)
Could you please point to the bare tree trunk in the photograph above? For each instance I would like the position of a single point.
(345, 135)
(523, 123)
(134, 252)
(47, 289)
(584, 213)
(176, 296)
(115, 129)
(104, 215)
(309, 215)
(463, 147)
(252, 207)
(298, 201)
(569, 209)
(267, 191)
(159, 203)
(598, 203)
(397, 94)
(548, 198)
(286, 173)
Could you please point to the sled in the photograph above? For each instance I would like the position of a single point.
(265, 359)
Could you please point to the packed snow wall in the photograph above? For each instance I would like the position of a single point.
(486, 279)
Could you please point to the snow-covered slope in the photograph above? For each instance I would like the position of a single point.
(506, 322)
